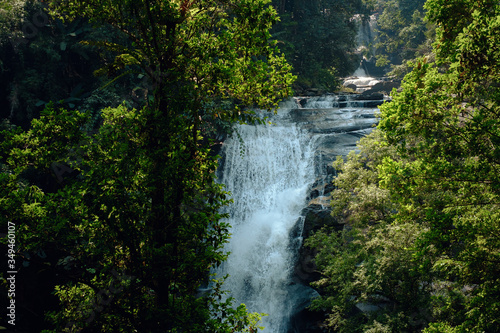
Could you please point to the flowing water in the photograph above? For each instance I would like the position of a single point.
(269, 173)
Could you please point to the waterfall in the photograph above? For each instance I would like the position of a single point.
(366, 40)
(269, 172)
(272, 172)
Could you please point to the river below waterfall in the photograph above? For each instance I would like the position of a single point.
(270, 171)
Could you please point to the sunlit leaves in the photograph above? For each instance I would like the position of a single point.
(441, 182)
(358, 198)
(222, 48)
(140, 193)
(11, 15)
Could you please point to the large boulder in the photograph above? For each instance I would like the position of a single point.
(352, 86)
(383, 87)
(316, 216)
(370, 95)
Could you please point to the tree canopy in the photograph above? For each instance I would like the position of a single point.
(319, 39)
(127, 212)
(402, 34)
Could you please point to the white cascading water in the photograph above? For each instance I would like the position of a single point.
(269, 173)
(361, 80)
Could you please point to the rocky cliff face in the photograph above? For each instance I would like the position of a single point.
(336, 123)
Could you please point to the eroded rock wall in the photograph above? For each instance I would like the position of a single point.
(336, 123)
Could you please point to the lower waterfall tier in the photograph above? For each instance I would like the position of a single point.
(273, 172)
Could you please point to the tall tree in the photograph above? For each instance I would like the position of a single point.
(141, 196)
(402, 34)
(447, 117)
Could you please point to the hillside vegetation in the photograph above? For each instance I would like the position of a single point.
(420, 199)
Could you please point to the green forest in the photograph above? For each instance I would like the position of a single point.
(112, 116)
(421, 196)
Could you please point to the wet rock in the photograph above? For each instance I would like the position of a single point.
(305, 270)
(301, 101)
(307, 321)
(352, 86)
(384, 87)
(338, 123)
(370, 95)
(373, 104)
(323, 186)
(318, 215)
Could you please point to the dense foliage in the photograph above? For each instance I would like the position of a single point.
(43, 60)
(399, 33)
(125, 213)
(319, 39)
(112, 189)
(422, 195)
(12, 12)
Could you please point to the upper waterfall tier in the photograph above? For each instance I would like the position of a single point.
(336, 122)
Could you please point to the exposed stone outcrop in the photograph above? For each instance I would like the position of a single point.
(336, 123)
(316, 216)
(352, 86)
(371, 95)
(384, 87)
